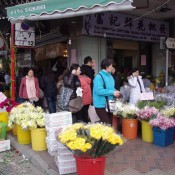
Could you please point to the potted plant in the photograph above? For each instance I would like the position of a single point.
(145, 115)
(129, 121)
(90, 144)
(29, 119)
(163, 130)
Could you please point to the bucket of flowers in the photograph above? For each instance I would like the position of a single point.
(163, 128)
(90, 143)
(28, 118)
(5, 107)
(129, 121)
(145, 115)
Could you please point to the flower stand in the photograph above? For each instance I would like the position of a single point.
(94, 166)
(129, 128)
(147, 132)
(38, 137)
(163, 138)
(23, 136)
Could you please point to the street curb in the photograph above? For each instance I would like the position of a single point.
(27, 151)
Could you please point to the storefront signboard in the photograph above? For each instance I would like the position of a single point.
(24, 35)
(123, 26)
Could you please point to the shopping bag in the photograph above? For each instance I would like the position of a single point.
(92, 114)
(64, 98)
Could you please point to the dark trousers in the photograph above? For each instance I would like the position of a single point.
(51, 102)
(104, 116)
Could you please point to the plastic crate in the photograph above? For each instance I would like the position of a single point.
(163, 138)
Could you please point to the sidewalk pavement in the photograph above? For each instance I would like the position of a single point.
(134, 158)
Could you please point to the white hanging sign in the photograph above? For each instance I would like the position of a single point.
(24, 35)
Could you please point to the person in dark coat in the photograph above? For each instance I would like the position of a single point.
(88, 70)
(72, 81)
(48, 85)
(2, 82)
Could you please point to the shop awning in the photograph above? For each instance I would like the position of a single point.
(54, 9)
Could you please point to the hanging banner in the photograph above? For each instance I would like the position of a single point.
(116, 25)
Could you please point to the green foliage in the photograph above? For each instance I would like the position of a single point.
(156, 104)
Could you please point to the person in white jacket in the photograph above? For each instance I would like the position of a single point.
(136, 86)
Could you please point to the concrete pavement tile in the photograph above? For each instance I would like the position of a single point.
(129, 172)
(155, 172)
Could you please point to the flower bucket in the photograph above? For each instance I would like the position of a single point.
(23, 136)
(4, 118)
(115, 122)
(38, 137)
(129, 128)
(147, 132)
(162, 137)
(14, 130)
(3, 130)
(94, 166)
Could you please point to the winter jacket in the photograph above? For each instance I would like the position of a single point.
(99, 92)
(48, 85)
(85, 84)
(88, 71)
(135, 89)
(72, 81)
(23, 90)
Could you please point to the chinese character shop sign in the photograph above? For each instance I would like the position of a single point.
(24, 35)
(116, 25)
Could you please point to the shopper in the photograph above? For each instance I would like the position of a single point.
(100, 92)
(29, 88)
(48, 85)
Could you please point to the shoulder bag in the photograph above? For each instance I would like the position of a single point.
(110, 104)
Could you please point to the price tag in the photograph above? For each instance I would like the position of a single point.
(147, 96)
(2, 97)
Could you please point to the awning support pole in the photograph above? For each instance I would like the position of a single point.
(12, 52)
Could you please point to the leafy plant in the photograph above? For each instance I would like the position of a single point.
(156, 104)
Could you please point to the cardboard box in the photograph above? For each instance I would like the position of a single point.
(58, 116)
(67, 170)
(66, 163)
(65, 156)
(60, 122)
(4, 145)
(63, 150)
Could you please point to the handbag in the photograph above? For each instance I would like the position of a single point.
(93, 115)
(41, 93)
(75, 105)
(64, 98)
(110, 104)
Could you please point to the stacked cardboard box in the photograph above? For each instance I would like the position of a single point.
(54, 124)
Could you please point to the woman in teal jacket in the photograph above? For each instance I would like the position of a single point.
(100, 92)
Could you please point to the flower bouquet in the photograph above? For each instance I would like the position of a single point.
(27, 116)
(162, 122)
(168, 112)
(91, 140)
(8, 104)
(118, 109)
(129, 111)
(147, 113)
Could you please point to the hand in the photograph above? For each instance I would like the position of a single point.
(36, 99)
(116, 93)
(74, 71)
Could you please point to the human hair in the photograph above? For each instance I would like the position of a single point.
(74, 66)
(134, 70)
(106, 63)
(28, 69)
(87, 60)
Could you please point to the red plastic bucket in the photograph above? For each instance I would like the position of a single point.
(92, 166)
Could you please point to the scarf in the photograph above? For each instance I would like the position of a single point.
(30, 87)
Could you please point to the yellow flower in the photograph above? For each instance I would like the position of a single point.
(71, 145)
(88, 146)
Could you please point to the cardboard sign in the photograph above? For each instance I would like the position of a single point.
(147, 96)
(4, 145)
(2, 97)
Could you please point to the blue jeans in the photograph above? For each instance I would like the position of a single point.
(51, 102)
